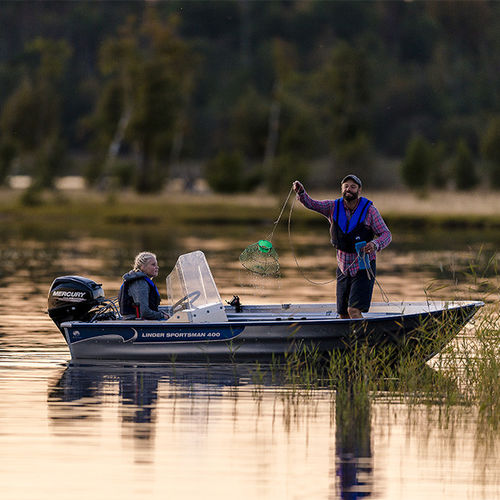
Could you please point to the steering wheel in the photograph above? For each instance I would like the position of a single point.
(179, 305)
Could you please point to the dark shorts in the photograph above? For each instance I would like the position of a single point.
(355, 291)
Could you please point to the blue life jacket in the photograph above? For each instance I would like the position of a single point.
(126, 301)
(346, 233)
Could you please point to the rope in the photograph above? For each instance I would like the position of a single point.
(371, 275)
(319, 283)
(276, 222)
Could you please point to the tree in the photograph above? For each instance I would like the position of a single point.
(438, 171)
(149, 79)
(249, 123)
(490, 150)
(224, 173)
(293, 121)
(32, 116)
(416, 166)
(346, 89)
(286, 169)
(463, 167)
(7, 155)
(283, 60)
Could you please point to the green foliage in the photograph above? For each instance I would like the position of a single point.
(224, 173)
(32, 196)
(346, 85)
(357, 154)
(463, 167)
(32, 112)
(150, 78)
(352, 78)
(123, 172)
(286, 169)
(32, 117)
(51, 159)
(27, 115)
(490, 150)
(252, 179)
(93, 169)
(439, 173)
(416, 166)
(7, 155)
(149, 176)
(299, 129)
(53, 56)
(102, 123)
(249, 122)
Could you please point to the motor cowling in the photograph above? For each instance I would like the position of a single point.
(72, 298)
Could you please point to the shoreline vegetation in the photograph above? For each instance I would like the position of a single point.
(478, 209)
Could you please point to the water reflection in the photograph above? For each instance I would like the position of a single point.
(84, 392)
(154, 429)
(353, 444)
(137, 391)
(137, 387)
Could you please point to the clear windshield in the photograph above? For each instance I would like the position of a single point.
(191, 282)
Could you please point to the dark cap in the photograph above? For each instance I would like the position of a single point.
(354, 178)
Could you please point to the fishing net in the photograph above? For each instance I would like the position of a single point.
(261, 258)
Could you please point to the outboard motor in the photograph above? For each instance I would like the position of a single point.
(72, 298)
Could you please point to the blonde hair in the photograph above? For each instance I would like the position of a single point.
(141, 259)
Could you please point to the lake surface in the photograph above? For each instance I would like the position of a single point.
(131, 431)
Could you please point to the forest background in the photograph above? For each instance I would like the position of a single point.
(251, 94)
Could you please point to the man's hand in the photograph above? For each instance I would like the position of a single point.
(298, 187)
(370, 247)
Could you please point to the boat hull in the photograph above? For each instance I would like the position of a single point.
(423, 333)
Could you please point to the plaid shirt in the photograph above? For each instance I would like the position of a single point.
(348, 262)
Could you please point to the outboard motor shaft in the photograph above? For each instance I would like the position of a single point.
(73, 298)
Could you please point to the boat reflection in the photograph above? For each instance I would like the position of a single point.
(87, 391)
(87, 386)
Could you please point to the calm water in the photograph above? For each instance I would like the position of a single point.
(162, 431)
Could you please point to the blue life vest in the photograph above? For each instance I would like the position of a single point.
(126, 301)
(346, 233)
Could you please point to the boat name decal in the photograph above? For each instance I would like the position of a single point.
(177, 335)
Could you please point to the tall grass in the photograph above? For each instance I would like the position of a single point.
(465, 373)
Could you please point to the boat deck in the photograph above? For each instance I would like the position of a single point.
(328, 311)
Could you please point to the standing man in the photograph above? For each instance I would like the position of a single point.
(352, 219)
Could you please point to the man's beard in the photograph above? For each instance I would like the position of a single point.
(348, 196)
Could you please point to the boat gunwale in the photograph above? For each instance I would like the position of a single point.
(253, 320)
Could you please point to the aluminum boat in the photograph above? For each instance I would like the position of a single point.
(202, 327)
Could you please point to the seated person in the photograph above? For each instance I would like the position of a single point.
(138, 296)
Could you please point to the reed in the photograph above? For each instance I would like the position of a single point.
(463, 374)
